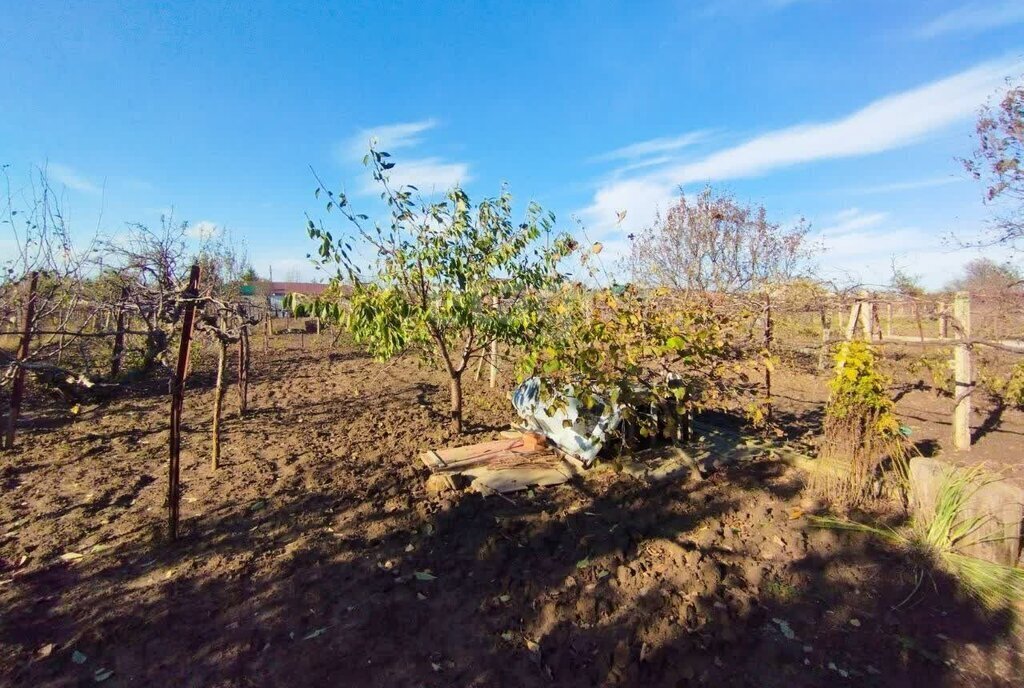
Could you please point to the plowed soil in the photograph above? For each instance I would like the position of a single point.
(314, 557)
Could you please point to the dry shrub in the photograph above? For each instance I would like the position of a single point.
(863, 447)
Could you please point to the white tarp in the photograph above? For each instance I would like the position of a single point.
(584, 433)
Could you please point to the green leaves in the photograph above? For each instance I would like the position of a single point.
(449, 276)
(621, 344)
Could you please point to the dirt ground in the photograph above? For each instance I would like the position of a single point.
(314, 557)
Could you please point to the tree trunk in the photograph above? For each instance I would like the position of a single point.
(457, 402)
(218, 400)
(243, 370)
(18, 386)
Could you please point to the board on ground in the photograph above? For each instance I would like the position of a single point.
(502, 465)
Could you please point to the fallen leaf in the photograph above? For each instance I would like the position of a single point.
(532, 645)
(504, 598)
(795, 513)
(507, 635)
(583, 563)
(45, 651)
(71, 556)
(424, 576)
(78, 657)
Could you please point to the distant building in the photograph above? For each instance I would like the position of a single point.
(276, 291)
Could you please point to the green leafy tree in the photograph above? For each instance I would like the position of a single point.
(447, 277)
(650, 353)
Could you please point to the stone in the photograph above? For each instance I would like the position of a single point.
(438, 484)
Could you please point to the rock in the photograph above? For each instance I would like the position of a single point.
(438, 484)
(1001, 503)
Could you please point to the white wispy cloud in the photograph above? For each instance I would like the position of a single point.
(886, 124)
(653, 146)
(974, 17)
(386, 137)
(910, 185)
(71, 178)
(851, 221)
(203, 230)
(428, 174)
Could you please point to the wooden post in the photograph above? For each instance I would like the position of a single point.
(118, 353)
(963, 375)
(867, 319)
(243, 370)
(267, 326)
(768, 335)
(18, 387)
(177, 404)
(826, 337)
(218, 400)
(851, 326)
(944, 320)
(888, 319)
(479, 367)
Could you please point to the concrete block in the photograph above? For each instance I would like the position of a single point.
(998, 500)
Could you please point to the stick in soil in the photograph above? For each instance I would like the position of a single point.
(218, 400)
(177, 405)
(243, 370)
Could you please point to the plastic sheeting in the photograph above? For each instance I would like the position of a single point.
(586, 430)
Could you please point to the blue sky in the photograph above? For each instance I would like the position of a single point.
(850, 114)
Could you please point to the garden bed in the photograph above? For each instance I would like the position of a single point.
(315, 556)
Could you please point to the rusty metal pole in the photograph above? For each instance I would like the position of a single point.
(177, 403)
(18, 389)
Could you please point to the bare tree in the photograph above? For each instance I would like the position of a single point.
(988, 276)
(998, 162)
(712, 244)
(151, 266)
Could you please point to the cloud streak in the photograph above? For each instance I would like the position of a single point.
(71, 178)
(974, 18)
(886, 124)
(653, 146)
(388, 137)
(428, 174)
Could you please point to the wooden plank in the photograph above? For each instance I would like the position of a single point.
(431, 460)
(500, 465)
(513, 479)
